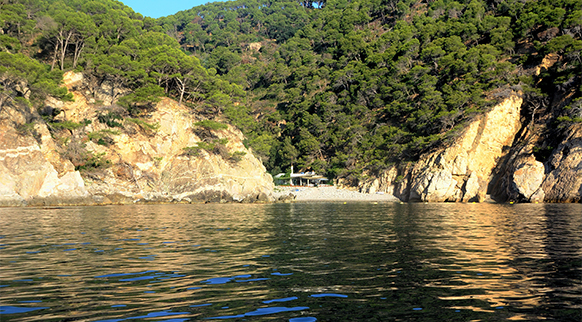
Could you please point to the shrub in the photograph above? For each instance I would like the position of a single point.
(216, 146)
(103, 137)
(25, 128)
(542, 154)
(69, 125)
(237, 156)
(81, 158)
(143, 97)
(191, 151)
(145, 125)
(222, 141)
(195, 150)
(110, 119)
(211, 125)
(93, 161)
(28, 129)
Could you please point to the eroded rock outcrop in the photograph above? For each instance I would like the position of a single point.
(527, 179)
(156, 158)
(530, 173)
(462, 171)
(28, 175)
(496, 155)
(157, 165)
(563, 183)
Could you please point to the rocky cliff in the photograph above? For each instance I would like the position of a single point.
(31, 172)
(88, 153)
(493, 157)
(563, 181)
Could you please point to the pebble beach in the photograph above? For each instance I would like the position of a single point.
(331, 193)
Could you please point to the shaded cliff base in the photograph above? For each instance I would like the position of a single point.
(119, 199)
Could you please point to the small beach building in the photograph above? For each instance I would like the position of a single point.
(309, 178)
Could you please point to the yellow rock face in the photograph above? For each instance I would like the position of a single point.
(148, 165)
(459, 172)
(462, 171)
(153, 165)
(27, 173)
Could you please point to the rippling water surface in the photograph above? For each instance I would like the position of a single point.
(292, 262)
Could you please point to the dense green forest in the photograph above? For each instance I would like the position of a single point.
(333, 86)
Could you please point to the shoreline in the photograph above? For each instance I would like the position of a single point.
(279, 194)
(330, 193)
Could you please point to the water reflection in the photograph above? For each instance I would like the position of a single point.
(483, 261)
(292, 262)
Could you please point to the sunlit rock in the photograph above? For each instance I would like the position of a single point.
(139, 164)
(462, 170)
(27, 173)
(527, 179)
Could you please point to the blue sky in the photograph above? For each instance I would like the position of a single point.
(161, 8)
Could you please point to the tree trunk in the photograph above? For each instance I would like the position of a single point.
(182, 89)
(78, 50)
(181, 97)
(64, 49)
(55, 53)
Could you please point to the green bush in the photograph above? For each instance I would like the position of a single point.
(69, 125)
(26, 128)
(222, 141)
(144, 125)
(217, 147)
(195, 150)
(237, 156)
(208, 146)
(93, 161)
(191, 151)
(103, 137)
(142, 97)
(110, 119)
(542, 154)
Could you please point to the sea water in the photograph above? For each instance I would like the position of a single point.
(292, 262)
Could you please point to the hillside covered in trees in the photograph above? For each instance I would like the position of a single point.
(333, 86)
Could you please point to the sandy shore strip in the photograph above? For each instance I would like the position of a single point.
(331, 193)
